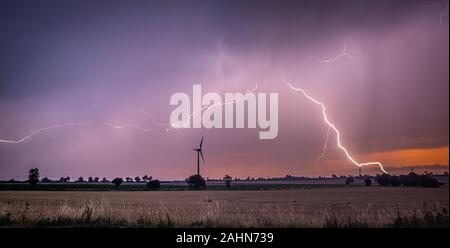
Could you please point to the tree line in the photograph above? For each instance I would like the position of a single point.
(34, 178)
(198, 182)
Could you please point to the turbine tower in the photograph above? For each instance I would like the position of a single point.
(199, 153)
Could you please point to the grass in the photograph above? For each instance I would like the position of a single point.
(437, 217)
(355, 207)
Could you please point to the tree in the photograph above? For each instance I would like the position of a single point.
(64, 179)
(129, 179)
(395, 181)
(147, 178)
(367, 181)
(96, 179)
(80, 179)
(349, 180)
(137, 179)
(90, 179)
(196, 182)
(153, 184)
(33, 176)
(104, 180)
(411, 180)
(383, 179)
(117, 181)
(228, 180)
(46, 180)
(428, 182)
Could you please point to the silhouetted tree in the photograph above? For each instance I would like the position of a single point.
(428, 182)
(146, 178)
(395, 181)
(153, 184)
(129, 179)
(90, 179)
(96, 179)
(64, 179)
(411, 180)
(33, 176)
(137, 179)
(349, 180)
(46, 180)
(196, 182)
(117, 181)
(80, 179)
(367, 181)
(383, 179)
(228, 180)
(104, 180)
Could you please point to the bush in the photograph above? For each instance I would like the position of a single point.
(196, 182)
(227, 178)
(411, 180)
(46, 180)
(395, 181)
(428, 182)
(368, 181)
(383, 180)
(117, 181)
(349, 180)
(153, 184)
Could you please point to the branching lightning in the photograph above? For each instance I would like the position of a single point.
(325, 144)
(344, 54)
(152, 119)
(57, 126)
(168, 126)
(334, 128)
(188, 123)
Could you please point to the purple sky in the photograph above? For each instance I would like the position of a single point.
(74, 62)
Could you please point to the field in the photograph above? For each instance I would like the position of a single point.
(356, 206)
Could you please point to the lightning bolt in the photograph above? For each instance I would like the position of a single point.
(325, 144)
(343, 54)
(210, 106)
(444, 13)
(334, 128)
(188, 123)
(150, 116)
(114, 126)
(57, 126)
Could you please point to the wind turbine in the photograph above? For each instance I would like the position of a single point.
(199, 153)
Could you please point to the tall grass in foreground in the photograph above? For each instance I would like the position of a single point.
(211, 213)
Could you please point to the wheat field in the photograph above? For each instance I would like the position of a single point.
(321, 207)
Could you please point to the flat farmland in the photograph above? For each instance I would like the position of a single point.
(310, 207)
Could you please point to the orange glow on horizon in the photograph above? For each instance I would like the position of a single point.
(267, 167)
(415, 156)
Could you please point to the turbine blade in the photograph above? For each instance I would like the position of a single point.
(201, 143)
(201, 154)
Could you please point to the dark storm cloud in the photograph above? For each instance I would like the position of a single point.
(75, 61)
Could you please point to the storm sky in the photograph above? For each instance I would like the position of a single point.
(65, 62)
